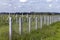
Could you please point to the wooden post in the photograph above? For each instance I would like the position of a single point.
(50, 19)
(29, 24)
(10, 28)
(27, 17)
(36, 20)
(22, 16)
(20, 25)
(55, 18)
(59, 18)
(47, 20)
(41, 19)
(44, 19)
(16, 18)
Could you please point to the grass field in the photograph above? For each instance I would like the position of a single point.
(50, 32)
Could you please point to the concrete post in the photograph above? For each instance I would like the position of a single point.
(10, 28)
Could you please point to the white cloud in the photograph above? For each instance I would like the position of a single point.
(56, 0)
(23, 1)
(50, 5)
(58, 7)
(9, 4)
(5, 3)
(19, 6)
(49, 0)
(15, 7)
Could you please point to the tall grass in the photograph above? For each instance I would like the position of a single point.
(50, 32)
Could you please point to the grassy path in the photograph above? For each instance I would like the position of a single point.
(51, 32)
(57, 36)
(4, 33)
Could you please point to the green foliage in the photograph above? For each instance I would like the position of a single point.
(34, 35)
(50, 32)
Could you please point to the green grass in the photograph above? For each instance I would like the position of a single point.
(50, 32)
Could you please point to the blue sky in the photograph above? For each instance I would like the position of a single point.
(30, 6)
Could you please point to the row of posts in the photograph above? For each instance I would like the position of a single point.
(44, 19)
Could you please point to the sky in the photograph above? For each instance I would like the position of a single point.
(29, 5)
